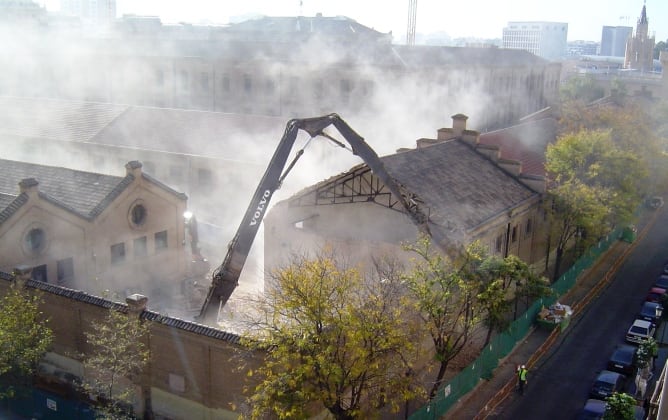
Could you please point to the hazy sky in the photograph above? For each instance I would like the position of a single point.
(475, 18)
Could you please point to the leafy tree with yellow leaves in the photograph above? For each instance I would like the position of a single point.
(445, 293)
(24, 337)
(332, 337)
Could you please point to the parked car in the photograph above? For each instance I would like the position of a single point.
(623, 360)
(662, 281)
(606, 383)
(595, 410)
(655, 294)
(650, 311)
(640, 331)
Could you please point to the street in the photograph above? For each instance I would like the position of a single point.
(559, 384)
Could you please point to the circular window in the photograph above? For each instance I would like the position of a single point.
(138, 214)
(35, 241)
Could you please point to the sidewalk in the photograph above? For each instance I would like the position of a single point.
(482, 400)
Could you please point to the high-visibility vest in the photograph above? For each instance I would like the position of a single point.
(523, 374)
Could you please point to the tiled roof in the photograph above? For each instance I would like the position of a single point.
(55, 119)
(332, 26)
(421, 56)
(6, 200)
(80, 296)
(231, 136)
(525, 143)
(80, 192)
(191, 326)
(214, 134)
(461, 188)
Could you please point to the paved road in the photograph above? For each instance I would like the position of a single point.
(559, 385)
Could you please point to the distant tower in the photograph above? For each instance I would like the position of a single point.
(412, 14)
(640, 47)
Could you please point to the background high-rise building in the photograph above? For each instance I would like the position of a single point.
(90, 11)
(544, 39)
(613, 40)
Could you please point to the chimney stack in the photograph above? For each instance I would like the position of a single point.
(459, 124)
(133, 168)
(29, 186)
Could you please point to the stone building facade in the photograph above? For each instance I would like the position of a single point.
(286, 67)
(93, 232)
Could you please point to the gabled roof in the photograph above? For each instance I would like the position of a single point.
(85, 194)
(214, 134)
(461, 188)
(525, 143)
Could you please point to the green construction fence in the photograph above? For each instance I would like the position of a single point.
(501, 345)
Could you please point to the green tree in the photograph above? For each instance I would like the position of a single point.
(446, 300)
(575, 207)
(581, 88)
(24, 337)
(619, 406)
(647, 350)
(660, 46)
(333, 336)
(594, 186)
(117, 358)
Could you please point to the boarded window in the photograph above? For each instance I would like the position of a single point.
(161, 240)
(528, 227)
(118, 253)
(498, 243)
(140, 248)
(65, 271)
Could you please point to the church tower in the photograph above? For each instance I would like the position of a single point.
(640, 47)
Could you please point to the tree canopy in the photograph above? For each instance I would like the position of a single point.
(594, 185)
(619, 406)
(24, 335)
(445, 294)
(118, 356)
(333, 336)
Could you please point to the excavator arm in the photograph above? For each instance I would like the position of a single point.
(226, 276)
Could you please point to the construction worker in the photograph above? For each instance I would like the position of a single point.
(522, 372)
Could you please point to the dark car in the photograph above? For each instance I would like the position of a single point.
(650, 311)
(662, 281)
(595, 410)
(606, 383)
(623, 360)
(655, 294)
